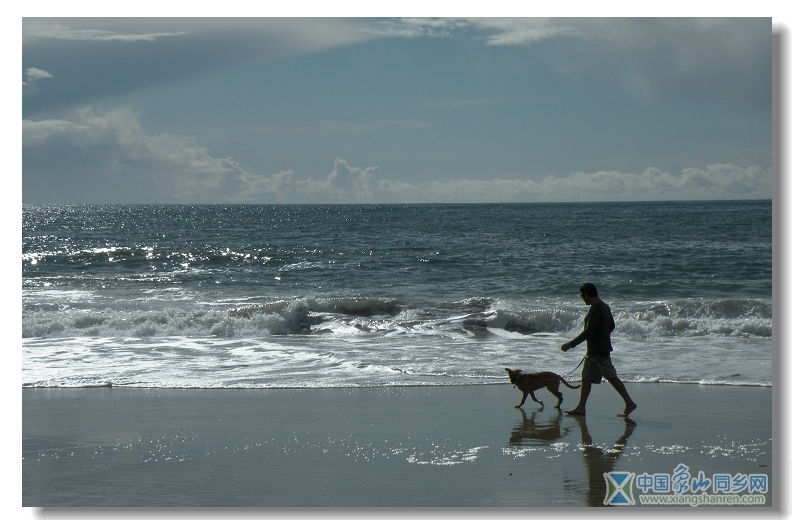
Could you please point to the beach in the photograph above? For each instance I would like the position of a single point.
(421, 446)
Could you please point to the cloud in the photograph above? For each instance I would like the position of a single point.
(95, 146)
(115, 141)
(647, 57)
(94, 58)
(114, 145)
(714, 182)
(347, 184)
(414, 27)
(121, 130)
(34, 74)
(526, 31)
(494, 31)
(59, 31)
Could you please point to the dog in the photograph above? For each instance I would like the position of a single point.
(529, 383)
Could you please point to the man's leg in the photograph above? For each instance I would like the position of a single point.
(629, 404)
(585, 390)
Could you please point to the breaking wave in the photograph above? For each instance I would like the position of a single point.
(382, 316)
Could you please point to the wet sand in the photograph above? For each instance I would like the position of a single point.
(463, 446)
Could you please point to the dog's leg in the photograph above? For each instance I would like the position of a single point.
(553, 389)
(525, 395)
(535, 399)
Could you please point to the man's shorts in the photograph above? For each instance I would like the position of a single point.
(596, 367)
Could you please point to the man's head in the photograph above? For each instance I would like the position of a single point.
(589, 293)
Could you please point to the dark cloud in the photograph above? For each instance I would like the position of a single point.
(730, 58)
(649, 57)
(655, 57)
(94, 58)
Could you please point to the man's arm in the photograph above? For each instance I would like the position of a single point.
(593, 319)
(583, 336)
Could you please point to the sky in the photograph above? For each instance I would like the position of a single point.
(395, 110)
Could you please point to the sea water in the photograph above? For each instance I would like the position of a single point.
(279, 296)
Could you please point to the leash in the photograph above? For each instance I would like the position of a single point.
(578, 365)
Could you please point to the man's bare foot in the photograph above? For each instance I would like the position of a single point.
(628, 410)
(576, 412)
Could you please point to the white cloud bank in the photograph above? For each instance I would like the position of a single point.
(347, 184)
(180, 170)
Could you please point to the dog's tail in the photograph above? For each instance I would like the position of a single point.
(570, 386)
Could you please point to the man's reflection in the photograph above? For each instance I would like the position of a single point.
(598, 460)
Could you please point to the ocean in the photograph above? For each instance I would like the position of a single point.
(310, 296)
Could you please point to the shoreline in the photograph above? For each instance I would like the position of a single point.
(26, 387)
(418, 446)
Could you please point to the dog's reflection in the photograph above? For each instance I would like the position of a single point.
(598, 461)
(538, 433)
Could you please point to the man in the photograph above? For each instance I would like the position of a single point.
(597, 327)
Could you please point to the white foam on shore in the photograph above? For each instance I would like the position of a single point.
(370, 361)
